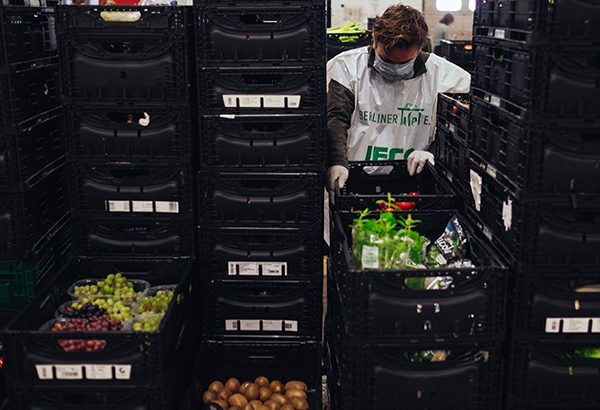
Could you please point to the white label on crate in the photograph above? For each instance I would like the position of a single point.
(595, 325)
(451, 128)
(167, 207)
(118, 206)
(274, 101)
(370, 257)
(293, 101)
(488, 234)
(272, 325)
(495, 100)
(507, 214)
(231, 325)
(491, 170)
(274, 269)
(247, 101)
(142, 206)
(66, 372)
(250, 325)
(576, 325)
(244, 268)
(500, 34)
(476, 182)
(44, 371)
(290, 326)
(326, 218)
(98, 371)
(552, 325)
(122, 371)
(144, 122)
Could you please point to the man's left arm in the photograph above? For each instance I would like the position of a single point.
(453, 79)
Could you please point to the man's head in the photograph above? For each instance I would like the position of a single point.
(399, 34)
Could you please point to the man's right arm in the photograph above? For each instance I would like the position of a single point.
(340, 107)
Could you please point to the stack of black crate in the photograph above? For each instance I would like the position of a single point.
(127, 107)
(261, 92)
(535, 188)
(34, 236)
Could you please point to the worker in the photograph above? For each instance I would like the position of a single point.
(442, 31)
(381, 99)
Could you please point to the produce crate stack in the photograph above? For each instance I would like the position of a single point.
(128, 119)
(419, 334)
(34, 236)
(458, 52)
(261, 96)
(534, 188)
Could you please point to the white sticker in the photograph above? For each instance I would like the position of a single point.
(290, 326)
(272, 325)
(370, 257)
(499, 34)
(491, 170)
(274, 269)
(144, 122)
(98, 371)
(326, 218)
(451, 128)
(247, 101)
(122, 371)
(274, 101)
(244, 268)
(44, 371)
(596, 325)
(293, 101)
(167, 207)
(142, 206)
(495, 101)
(249, 325)
(552, 325)
(231, 325)
(507, 214)
(476, 182)
(67, 372)
(118, 206)
(576, 325)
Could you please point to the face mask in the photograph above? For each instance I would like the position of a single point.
(394, 72)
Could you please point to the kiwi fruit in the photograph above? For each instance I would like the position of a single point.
(264, 394)
(277, 386)
(299, 404)
(209, 396)
(295, 385)
(216, 386)
(290, 394)
(244, 386)
(238, 400)
(279, 399)
(233, 385)
(251, 392)
(261, 381)
(222, 403)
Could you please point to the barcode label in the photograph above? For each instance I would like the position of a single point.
(44, 372)
(290, 326)
(268, 101)
(250, 325)
(167, 207)
(499, 34)
(98, 372)
(552, 325)
(118, 206)
(274, 269)
(272, 325)
(65, 372)
(274, 101)
(142, 206)
(495, 101)
(576, 325)
(257, 268)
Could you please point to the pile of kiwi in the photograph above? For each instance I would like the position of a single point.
(258, 395)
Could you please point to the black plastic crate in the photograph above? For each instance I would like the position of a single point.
(552, 376)
(36, 144)
(28, 216)
(262, 253)
(453, 113)
(265, 36)
(381, 305)
(383, 377)
(274, 142)
(556, 83)
(458, 52)
(34, 356)
(262, 90)
(129, 188)
(538, 21)
(26, 34)
(249, 309)
(339, 42)
(135, 235)
(27, 90)
(547, 237)
(557, 307)
(547, 160)
(364, 189)
(451, 157)
(255, 198)
(115, 21)
(249, 4)
(246, 360)
(137, 132)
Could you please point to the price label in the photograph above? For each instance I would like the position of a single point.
(370, 257)
(66, 372)
(167, 207)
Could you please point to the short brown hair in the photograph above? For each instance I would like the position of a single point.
(401, 26)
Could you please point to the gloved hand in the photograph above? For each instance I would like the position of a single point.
(337, 173)
(417, 160)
